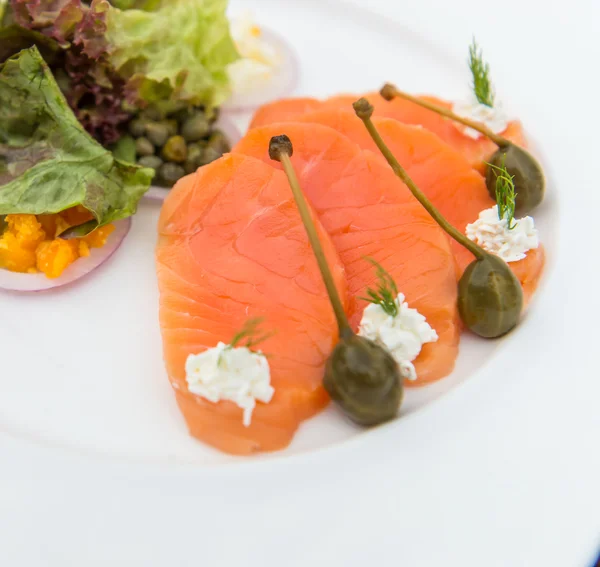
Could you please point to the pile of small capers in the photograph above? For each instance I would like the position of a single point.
(177, 143)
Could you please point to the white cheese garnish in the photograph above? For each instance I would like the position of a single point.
(493, 235)
(227, 373)
(403, 335)
(259, 58)
(493, 117)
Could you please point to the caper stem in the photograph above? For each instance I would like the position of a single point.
(388, 92)
(313, 237)
(364, 111)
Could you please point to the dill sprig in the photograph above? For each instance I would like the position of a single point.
(482, 85)
(251, 334)
(505, 194)
(386, 293)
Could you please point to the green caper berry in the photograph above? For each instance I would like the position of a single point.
(209, 155)
(144, 147)
(175, 150)
(219, 142)
(194, 159)
(172, 126)
(170, 173)
(527, 174)
(363, 379)
(153, 162)
(195, 128)
(490, 297)
(157, 133)
(137, 127)
(152, 114)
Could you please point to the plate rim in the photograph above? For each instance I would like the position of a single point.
(479, 387)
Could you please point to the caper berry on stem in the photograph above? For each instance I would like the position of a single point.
(486, 283)
(526, 174)
(521, 165)
(361, 377)
(490, 297)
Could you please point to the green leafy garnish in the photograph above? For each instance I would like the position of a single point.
(124, 149)
(179, 51)
(482, 86)
(147, 5)
(505, 194)
(48, 162)
(3, 6)
(251, 334)
(14, 39)
(386, 293)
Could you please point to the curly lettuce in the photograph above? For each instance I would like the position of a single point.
(14, 39)
(112, 61)
(79, 59)
(54, 18)
(48, 162)
(149, 5)
(178, 52)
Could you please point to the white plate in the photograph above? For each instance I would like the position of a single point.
(96, 465)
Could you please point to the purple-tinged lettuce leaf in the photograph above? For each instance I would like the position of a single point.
(54, 18)
(92, 87)
(90, 33)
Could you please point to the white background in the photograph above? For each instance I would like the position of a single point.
(507, 471)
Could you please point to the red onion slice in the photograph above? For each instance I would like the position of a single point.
(233, 134)
(284, 81)
(13, 281)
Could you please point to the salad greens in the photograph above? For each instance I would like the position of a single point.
(180, 51)
(110, 62)
(73, 75)
(149, 5)
(14, 39)
(48, 163)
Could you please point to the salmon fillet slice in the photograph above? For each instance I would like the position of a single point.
(231, 247)
(368, 212)
(476, 151)
(443, 174)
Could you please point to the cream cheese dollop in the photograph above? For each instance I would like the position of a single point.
(493, 235)
(230, 373)
(493, 117)
(402, 335)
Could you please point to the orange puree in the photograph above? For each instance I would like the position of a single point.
(30, 243)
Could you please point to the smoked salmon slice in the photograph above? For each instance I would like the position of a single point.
(476, 151)
(284, 110)
(446, 178)
(368, 212)
(232, 247)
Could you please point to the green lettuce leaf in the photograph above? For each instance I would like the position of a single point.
(5, 14)
(148, 5)
(178, 52)
(48, 162)
(14, 38)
